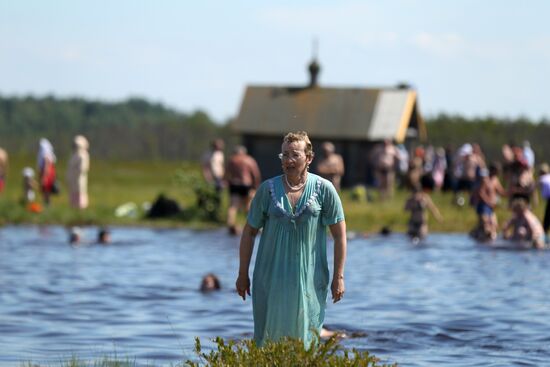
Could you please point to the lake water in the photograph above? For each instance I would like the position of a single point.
(445, 302)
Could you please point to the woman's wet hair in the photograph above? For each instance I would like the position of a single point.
(102, 235)
(210, 282)
(300, 136)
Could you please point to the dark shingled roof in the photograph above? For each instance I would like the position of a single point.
(345, 113)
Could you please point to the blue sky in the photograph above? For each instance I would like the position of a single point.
(469, 57)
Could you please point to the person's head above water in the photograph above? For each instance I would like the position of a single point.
(210, 282)
(75, 235)
(385, 231)
(104, 236)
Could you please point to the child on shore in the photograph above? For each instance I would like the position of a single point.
(29, 185)
(417, 204)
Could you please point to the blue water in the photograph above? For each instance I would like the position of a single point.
(444, 302)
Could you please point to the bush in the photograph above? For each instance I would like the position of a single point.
(287, 352)
(208, 200)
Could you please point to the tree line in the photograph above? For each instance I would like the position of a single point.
(137, 129)
(130, 130)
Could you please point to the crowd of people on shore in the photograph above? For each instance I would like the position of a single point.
(473, 181)
(464, 172)
(45, 180)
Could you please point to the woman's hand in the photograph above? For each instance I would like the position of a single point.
(245, 253)
(338, 232)
(338, 288)
(243, 286)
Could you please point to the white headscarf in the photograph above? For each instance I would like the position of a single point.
(81, 142)
(28, 172)
(465, 150)
(45, 151)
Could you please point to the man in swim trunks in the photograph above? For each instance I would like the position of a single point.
(243, 175)
(486, 199)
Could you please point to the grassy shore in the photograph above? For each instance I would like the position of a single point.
(285, 352)
(112, 184)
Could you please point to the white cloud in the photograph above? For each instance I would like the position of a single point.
(70, 54)
(447, 44)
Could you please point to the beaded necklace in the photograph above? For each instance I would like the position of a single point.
(295, 188)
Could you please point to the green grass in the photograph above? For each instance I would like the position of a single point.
(372, 216)
(103, 362)
(110, 184)
(286, 352)
(113, 183)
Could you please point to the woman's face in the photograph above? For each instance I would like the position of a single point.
(294, 159)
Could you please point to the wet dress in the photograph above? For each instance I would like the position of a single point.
(291, 275)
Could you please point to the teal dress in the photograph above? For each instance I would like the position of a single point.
(291, 275)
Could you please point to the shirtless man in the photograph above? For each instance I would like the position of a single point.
(470, 160)
(331, 165)
(243, 175)
(487, 197)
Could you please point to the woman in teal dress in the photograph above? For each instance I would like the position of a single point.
(291, 275)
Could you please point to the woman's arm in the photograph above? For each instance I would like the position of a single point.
(245, 254)
(338, 232)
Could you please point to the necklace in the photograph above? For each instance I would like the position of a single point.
(297, 187)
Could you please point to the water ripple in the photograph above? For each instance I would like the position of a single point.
(445, 302)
